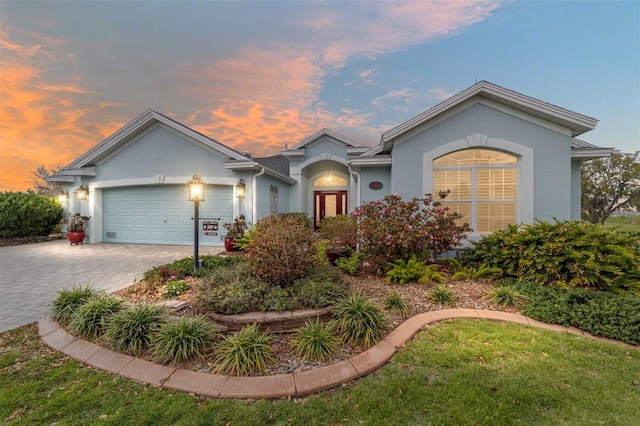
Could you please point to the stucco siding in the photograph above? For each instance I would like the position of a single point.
(546, 184)
(374, 174)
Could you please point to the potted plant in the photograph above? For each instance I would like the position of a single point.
(340, 232)
(235, 231)
(76, 228)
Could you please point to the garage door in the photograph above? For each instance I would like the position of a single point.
(163, 214)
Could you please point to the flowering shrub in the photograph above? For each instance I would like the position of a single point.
(391, 229)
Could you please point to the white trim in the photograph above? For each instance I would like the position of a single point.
(324, 132)
(380, 160)
(525, 208)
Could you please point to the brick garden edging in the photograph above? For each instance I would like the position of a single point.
(277, 322)
(276, 386)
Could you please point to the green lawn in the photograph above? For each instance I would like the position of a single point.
(462, 372)
(623, 223)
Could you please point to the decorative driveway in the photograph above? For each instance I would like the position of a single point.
(32, 274)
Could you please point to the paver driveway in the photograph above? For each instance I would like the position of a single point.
(32, 274)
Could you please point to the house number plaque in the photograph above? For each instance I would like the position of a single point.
(210, 227)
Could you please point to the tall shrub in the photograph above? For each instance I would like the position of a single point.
(28, 215)
(566, 253)
(282, 249)
(391, 228)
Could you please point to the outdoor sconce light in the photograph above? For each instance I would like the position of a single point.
(196, 189)
(196, 194)
(63, 196)
(240, 189)
(83, 192)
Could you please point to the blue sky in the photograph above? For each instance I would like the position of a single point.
(258, 75)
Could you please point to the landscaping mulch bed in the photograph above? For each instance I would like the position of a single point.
(468, 294)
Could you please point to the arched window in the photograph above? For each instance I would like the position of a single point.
(483, 184)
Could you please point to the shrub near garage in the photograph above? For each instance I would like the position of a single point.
(568, 253)
(28, 215)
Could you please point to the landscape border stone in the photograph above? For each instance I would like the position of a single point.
(290, 385)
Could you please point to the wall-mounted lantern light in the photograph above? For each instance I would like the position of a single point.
(240, 189)
(83, 192)
(63, 196)
(196, 194)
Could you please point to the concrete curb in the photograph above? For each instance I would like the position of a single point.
(278, 386)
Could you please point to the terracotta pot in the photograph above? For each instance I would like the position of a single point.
(76, 237)
(229, 244)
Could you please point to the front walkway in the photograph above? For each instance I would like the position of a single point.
(276, 386)
(32, 274)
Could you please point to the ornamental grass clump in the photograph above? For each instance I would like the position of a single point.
(506, 295)
(91, 319)
(186, 338)
(68, 301)
(359, 321)
(244, 352)
(442, 295)
(131, 330)
(395, 303)
(315, 341)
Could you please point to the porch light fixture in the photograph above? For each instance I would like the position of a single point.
(196, 194)
(240, 189)
(63, 196)
(83, 192)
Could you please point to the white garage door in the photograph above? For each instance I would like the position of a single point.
(163, 214)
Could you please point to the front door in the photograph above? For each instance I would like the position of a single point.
(328, 203)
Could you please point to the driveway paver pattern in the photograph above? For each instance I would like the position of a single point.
(32, 274)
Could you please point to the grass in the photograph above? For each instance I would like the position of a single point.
(462, 372)
(623, 223)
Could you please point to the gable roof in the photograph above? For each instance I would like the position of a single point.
(137, 125)
(326, 132)
(577, 123)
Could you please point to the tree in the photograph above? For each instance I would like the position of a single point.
(610, 184)
(40, 185)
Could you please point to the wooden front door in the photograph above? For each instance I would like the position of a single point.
(328, 203)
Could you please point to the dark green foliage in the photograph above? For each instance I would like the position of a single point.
(464, 271)
(28, 215)
(186, 338)
(412, 269)
(282, 249)
(442, 295)
(130, 330)
(67, 301)
(90, 320)
(359, 320)
(244, 352)
(395, 303)
(568, 253)
(234, 290)
(601, 313)
(315, 341)
(179, 269)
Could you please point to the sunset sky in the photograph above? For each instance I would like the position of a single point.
(258, 75)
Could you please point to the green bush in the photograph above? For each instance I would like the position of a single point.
(233, 290)
(68, 301)
(90, 320)
(315, 341)
(282, 249)
(601, 313)
(568, 253)
(182, 268)
(402, 271)
(28, 215)
(131, 330)
(186, 338)
(395, 303)
(244, 352)
(359, 320)
(350, 264)
(442, 295)
(174, 288)
(466, 272)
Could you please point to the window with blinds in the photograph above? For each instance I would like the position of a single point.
(483, 185)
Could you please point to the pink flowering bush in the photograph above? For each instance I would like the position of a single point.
(391, 229)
